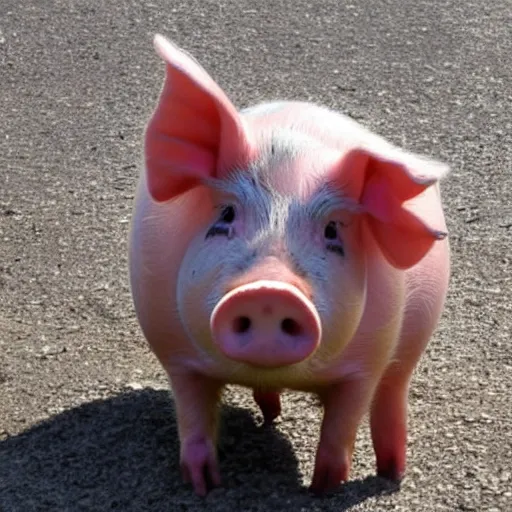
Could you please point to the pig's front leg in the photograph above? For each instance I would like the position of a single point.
(196, 398)
(345, 403)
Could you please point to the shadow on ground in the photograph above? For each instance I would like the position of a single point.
(122, 454)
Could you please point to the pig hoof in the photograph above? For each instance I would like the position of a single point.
(328, 476)
(391, 469)
(269, 403)
(199, 466)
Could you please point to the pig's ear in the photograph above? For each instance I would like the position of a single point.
(381, 186)
(195, 132)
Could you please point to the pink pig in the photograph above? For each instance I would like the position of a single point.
(284, 246)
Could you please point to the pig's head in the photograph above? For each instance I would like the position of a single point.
(276, 280)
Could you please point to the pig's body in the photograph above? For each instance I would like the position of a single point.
(367, 365)
(161, 235)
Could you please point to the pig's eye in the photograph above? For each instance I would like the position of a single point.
(331, 233)
(228, 214)
(222, 227)
(333, 242)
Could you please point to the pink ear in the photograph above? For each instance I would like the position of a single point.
(381, 187)
(195, 132)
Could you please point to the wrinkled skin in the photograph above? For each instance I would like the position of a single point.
(310, 204)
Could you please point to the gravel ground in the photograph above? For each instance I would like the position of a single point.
(86, 421)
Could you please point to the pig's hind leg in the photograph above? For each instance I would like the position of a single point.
(269, 402)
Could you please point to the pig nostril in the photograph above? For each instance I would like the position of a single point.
(291, 327)
(241, 324)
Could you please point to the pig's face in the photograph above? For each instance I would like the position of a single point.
(276, 222)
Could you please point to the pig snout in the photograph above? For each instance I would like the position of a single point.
(267, 324)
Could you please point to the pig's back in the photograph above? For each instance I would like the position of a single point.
(333, 129)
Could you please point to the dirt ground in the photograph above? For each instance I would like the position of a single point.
(86, 421)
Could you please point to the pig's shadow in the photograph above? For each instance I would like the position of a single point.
(122, 454)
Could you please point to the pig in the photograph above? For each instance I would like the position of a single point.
(284, 247)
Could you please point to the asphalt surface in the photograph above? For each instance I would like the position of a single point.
(86, 421)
